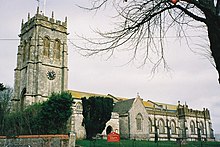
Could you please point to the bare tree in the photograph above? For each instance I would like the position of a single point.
(145, 24)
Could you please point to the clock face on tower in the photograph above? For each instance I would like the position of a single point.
(51, 75)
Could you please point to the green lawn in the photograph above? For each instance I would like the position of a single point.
(137, 143)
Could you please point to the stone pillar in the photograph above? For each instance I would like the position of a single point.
(72, 139)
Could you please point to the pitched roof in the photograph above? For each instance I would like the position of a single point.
(125, 102)
(79, 94)
(152, 104)
(123, 107)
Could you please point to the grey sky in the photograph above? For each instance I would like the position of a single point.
(192, 78)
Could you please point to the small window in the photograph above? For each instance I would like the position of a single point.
(79, 107)
(139, 120)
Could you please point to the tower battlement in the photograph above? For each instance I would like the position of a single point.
(40, 20)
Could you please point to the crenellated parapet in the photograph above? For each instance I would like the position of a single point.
(44, 21)
(184, 111)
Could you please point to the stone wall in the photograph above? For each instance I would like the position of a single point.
(30, 141)
(138, 109)
(113, 123)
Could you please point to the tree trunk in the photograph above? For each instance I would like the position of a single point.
(214, 39)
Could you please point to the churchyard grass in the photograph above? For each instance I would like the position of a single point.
(138, 143)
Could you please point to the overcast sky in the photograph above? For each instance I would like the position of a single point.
(192, 78)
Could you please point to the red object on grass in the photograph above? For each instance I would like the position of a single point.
(113, 137)
(174, 1)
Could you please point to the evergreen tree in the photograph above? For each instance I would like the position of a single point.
(55, 113)
(96, 112)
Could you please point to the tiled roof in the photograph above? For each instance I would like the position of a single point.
(152, 104)
(125, 101)
(80, 94)
(123, 107)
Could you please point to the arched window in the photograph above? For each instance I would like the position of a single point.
(79, 107)
(161, 126)
(173, 127)
(139, 120)
(46, 51)
(192, 127)
(57, 49)
(201, 126)
(150, 125)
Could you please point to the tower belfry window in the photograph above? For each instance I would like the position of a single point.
(46, 51)
(57, 49)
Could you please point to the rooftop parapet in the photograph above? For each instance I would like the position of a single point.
(41, 20)
(183, 110)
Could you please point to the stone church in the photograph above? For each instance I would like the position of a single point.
(42, 69)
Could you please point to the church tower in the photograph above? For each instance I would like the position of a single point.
(41, 59)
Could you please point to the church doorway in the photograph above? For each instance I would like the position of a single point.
(109, 130)
(23, 92)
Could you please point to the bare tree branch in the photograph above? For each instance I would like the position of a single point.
(145, 24)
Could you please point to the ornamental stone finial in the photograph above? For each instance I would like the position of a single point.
(52, 15)
(65, 19)
(28, 16)
(38, 10)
